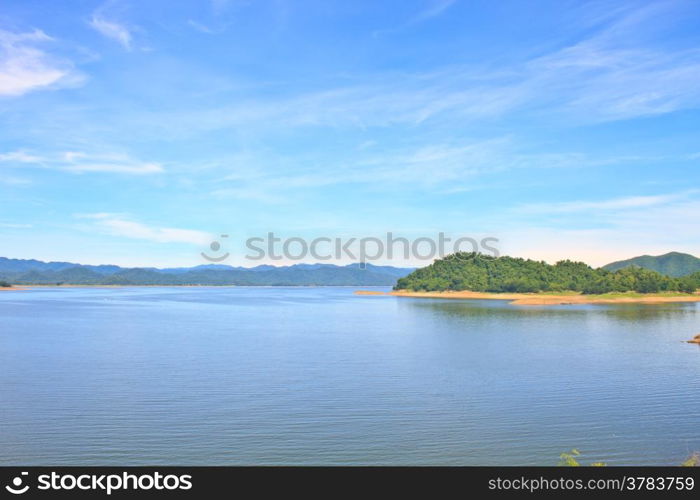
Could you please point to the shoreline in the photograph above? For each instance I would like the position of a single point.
(540, 299)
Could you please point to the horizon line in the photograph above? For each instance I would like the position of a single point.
(316, 263)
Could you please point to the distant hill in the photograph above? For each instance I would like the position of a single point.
(18, 265)
(673, 264)
(35, 272)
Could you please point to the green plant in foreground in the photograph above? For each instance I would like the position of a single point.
(568, 459)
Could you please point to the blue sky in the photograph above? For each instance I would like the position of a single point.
(136, 132)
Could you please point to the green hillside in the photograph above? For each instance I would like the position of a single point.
(674, 264)
(481, 273)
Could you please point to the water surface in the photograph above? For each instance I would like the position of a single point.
(199, 376)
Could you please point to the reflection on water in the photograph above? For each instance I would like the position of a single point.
(321, 376)
(630, 312)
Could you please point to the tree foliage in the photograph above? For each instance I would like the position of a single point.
(483, 273)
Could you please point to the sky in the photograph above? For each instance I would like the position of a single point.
(136, 133)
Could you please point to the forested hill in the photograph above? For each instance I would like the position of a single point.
(477, 272)
(674, 264)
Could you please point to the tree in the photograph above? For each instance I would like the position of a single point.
(476, 272)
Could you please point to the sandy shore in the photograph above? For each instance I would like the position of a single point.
(539, 299)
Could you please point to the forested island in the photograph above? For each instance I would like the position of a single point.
(482, 273)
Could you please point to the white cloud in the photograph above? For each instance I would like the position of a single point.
(615, 204)
(12, 225)
(435, 8)
(100, 215)
(11, 180)
(118, 167)
(19, 157)
(431, 166)
(25, 67)
(443, 167)
(610, 73)
(81, 162)
(218, 6)
(118, 225)
(202, 27)
(113, 30)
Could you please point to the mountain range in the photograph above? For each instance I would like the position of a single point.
(35, 272)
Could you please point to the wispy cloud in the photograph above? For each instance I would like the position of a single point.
(606, 83)
(201, 27)
(607, 75)
(440, 168)
(80, 162)
(11, 180)
(119, 225)
(615, 205)
(25, 67)
(434, 9)
(112, 29)
(219, 6)
(12, 225)
(429, 167)
(19, 157)
(115, 166)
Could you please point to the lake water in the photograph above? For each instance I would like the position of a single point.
(190, 376)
